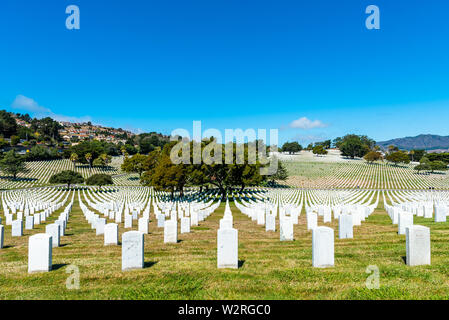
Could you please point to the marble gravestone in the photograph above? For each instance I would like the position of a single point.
(37, 218)
(312, 220)
(323, 247)
(170, 231)
(128, 221)
(53, 231)
(226, 223)
(417, 239)
(2, 236)
(356, 218)
(118, 217)
(29, 223)
(260, 217)
(39, 253)
(345, 227)
(132, 250)
(17, 228)
(327, 215)
(405, 220)
(270, 222)
(286, 229)
(99, 226)
(185, 225)
(111, 234)
(227, 248)
(194, 218)
(440, 214)
(143, 225)
(160, 221)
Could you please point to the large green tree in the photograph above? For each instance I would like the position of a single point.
(291, 147)
(398, 157)
(68, 177)
(319, 150)
(8, 125)
(13, 164)
(99, 179)
(353, 145)
(372, 156)
(134, 164)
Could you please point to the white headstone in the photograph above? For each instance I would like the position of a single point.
(327, 215)
(417, 239)
(185, 225)
(194, 218)
(345, 227)
(29, 223)
(356, 218)
(37, 218)
(39, 253)
(53, 231)
(128, 221)
(440, 213)
(170, 231)
(227, 248)
(312, 220)
(225, 223)
(111, 234)
(2, 235)
(260, 217)
(132, 250)
(405, 221)
(160, 220)
(17, 228)
(143, 225)
(61, 225)
(270, 222)
(322, 247)
(99, 226)
(286, 229)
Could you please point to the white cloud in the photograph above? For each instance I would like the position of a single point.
(309, 138)
(23, 103)
(306, 124)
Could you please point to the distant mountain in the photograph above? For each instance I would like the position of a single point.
(429, 142)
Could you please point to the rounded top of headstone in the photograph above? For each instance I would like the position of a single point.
(419, 227)
(40, 236)
(323, 229)
(132, 233)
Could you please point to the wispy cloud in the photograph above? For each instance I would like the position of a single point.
(306, 124)
(309, 138)
(23, 103)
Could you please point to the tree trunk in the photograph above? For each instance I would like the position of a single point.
(223, 193)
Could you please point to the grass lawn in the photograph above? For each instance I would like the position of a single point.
(270, 269)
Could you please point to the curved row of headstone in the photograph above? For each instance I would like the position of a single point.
(359, 174)
(189, 213)
(24, 206)
(39, 172)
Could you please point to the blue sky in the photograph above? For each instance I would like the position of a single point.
(159, 65)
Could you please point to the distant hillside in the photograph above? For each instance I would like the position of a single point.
(427, 142)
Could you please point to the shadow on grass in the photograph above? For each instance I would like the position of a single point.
(404, 258)
(240, 264)
(149, 264)
(58, 266)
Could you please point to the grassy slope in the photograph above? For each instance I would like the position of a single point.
(271, 269)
